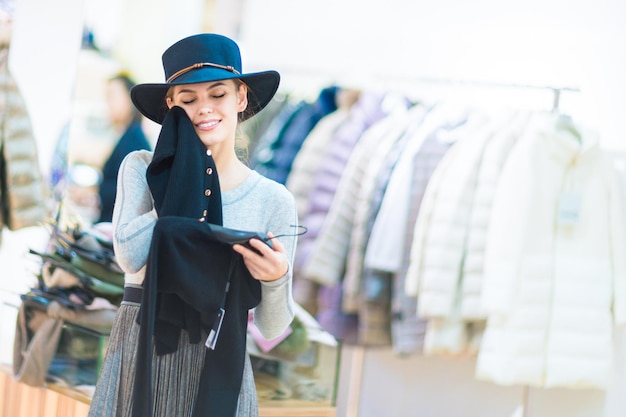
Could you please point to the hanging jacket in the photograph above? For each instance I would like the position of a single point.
(310, 156)
(493, 159)
(407, 328)
(22, 189)
(285, 149)
(555, 271)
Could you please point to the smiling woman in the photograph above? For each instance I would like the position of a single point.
(76, 128)
(166, 199)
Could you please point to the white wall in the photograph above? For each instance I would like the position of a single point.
(148, 27)
(415, 386)
(43, 59)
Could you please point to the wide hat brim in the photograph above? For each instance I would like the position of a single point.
(150, 98)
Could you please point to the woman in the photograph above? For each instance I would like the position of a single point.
(206, 94)
(126, 121)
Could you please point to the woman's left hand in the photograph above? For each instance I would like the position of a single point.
(270, 265)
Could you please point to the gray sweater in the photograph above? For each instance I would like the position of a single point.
(258, 204)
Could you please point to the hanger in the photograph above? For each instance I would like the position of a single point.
(564, 121)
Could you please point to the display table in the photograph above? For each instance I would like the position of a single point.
(21, 400)
(304, 385)
(277, 398)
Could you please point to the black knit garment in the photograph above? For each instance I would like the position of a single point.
(188, 272)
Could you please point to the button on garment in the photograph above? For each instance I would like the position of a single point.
(207, 192)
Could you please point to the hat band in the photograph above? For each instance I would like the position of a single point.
(200, 65)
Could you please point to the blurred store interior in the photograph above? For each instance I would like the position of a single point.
(550, 56)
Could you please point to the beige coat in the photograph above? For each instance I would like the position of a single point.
(23, 192)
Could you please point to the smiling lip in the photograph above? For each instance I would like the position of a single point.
(207, 124)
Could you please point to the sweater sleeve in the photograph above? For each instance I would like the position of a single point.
(134, 215)
(275, 312)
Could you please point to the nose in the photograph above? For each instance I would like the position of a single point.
(206, 107)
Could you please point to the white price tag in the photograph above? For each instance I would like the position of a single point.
(569, 209)
(211, 340)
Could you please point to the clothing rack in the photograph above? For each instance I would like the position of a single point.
(403, 83)
(399, 83)
(556, 91)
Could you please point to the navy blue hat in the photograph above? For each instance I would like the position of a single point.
(202, 58)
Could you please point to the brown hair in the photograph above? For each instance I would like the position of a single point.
(241, 140)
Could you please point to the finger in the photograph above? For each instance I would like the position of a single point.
(262, 248)
(243, 250)
(278, 246)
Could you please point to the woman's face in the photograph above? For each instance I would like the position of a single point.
(213, 108)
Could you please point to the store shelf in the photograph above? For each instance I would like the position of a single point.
(21, 400)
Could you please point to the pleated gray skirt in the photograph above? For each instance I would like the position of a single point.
(176, 376)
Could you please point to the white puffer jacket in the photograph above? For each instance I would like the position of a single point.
(555, 263)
